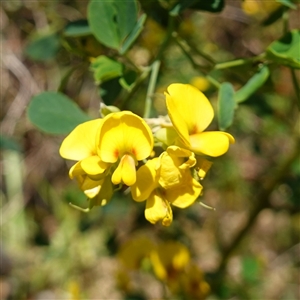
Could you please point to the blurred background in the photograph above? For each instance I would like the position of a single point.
(247, 248)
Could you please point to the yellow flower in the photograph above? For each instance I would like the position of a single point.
(193, 284)
(164, 180)
(169, 259)
(125, 139)
(191, 113)
(89, 171)
(132, 253)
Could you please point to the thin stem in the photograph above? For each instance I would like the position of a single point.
(151, 88)
(238, 62)
(296, 86)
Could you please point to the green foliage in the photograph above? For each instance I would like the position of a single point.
(226, 105)
(7, 143)
(112, 21)
(77, 28)
(105, 68)
(43, 48)
(253, 84)
(55, 113)
(122, 55)
(285, 51)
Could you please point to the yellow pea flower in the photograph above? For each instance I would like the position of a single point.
(166, 180)
(191, 113)
(169, 259)
(124, 138)
(81, 145)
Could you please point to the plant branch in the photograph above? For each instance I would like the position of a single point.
(151, 88)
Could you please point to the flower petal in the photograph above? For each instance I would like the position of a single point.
(92, 165)
(146, 180)
(212, 143)
(185, 194)
(167, 135)
(125, 172)
(202, 166)
(124, 133)
(105, 193)
(81, 142)
(158, 209)
(189, 110)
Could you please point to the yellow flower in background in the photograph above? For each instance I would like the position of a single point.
(191, 113)
(124, 139)
(166, 180)
(193, 283)
(132, 253)
(201, 83)
(169, 259)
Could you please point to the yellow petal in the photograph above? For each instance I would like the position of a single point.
(184, 195)
(105, 193)
(81, 142)
(124, 133)
(146, 180)
(183, 153)
(159, 269)
(166, 135)
(189, 110)
(76, 170)
(212, 143)
(202, 166)
(125, 172)
(175, 162)
(158, 209)
(92, 165)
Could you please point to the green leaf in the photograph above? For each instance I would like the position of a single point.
(133, 34)
(43, 48)
(105, 68)
(110, 90)
(252, 85)
(286, 51)
(250, 269)
(287, 3)
(128, 80)
(205, 5)
(226, 105)
(77, 28)
(55, 113)
(8, 143)
(111, 21)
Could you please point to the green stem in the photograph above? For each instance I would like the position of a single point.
(238, 62)
(145, 73)
(296, 86)
(151, 88)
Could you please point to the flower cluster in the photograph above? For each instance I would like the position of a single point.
(108, 150)
(169, 261)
